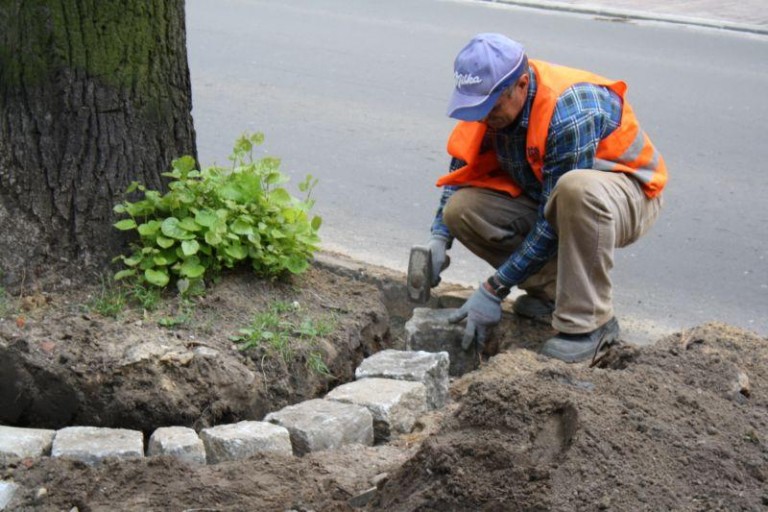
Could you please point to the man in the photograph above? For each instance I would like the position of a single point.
(550, 173)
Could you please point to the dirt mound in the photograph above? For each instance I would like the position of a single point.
(682, 425)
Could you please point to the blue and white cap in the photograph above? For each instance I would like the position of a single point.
(483, 69)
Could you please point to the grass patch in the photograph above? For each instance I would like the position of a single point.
(110, 300)
(283, 331)
(113, 298)
(5, 303)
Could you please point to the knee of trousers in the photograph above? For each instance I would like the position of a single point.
(575, 191)
(453, 212)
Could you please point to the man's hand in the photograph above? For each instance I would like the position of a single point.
(482, 310)
(438, 247)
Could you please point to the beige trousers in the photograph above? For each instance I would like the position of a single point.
(593, 212)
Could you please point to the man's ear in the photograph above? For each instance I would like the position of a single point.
(522, 82)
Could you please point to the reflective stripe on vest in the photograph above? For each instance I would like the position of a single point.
(627, 149)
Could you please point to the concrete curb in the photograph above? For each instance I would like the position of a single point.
(627, 14)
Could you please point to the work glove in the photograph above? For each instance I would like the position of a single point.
(438, 247)
(482, 311)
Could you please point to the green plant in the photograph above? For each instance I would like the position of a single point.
(217, 218)
(170, 322)
(267, 328)
(147, 297)
(282, 330)
(182, 317)
(316, 364)
(110, 301)
(5, 306)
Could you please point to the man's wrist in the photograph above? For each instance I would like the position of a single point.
(496, 287)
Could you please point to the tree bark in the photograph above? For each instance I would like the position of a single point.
(94, 94)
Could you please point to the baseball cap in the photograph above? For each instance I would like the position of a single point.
(486, 66)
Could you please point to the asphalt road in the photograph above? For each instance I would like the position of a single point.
(354, 92)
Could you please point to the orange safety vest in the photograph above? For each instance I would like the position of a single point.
(627, 149)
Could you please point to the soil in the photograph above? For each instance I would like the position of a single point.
(679, 425)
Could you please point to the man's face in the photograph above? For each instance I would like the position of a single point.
(509, 105)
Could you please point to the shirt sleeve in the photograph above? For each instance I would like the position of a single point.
(575, 131)
(438, 226)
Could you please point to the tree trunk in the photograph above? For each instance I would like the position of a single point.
(94, 94)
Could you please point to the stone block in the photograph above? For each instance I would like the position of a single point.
(92, 444)
(21, 443)
(394, 404)
(323, 424)
(243, 440)
(180, 442)
(428, 368)
(429, 330)
(7, 491)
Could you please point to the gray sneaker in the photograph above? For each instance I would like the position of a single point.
(534, 308)
(573, 348)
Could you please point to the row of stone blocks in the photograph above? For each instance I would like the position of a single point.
(392, 389)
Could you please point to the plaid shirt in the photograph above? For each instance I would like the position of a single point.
(584, 115)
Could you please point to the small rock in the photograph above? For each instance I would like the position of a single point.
(741, 385)
(7, 491)
(41, 493)
(379, 480)
(47, 346)
(363, 498)
(206, 352)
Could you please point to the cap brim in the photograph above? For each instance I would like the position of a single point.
(471, 108)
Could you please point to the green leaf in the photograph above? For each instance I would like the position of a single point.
(269, 163)
(296, 264)
(125, 273)
(184, 164)
(189, 224)
(172, 229)
(276, 177)
(190, 247)
(257, 138)
(212, 238)
(119, 208)
(182, 285)
(139, 208)
(236, 251)
(149, 228)
(171, 255)
(280, 196)
(206, 217)
(161, 261)
(316, 222)
(241, 227)
(232, 192)
(133, 260)
(125, 224)
(192, 268)
(164, 242)
(157, 277)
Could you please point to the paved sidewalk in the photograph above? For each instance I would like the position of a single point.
(739, 15)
